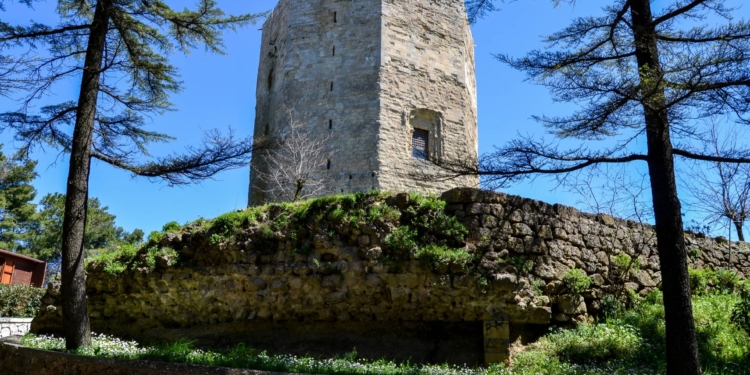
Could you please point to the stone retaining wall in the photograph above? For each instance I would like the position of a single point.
(17, 360)
(346, 290)
(14, 326)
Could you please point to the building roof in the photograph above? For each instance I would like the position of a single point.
(4, 253)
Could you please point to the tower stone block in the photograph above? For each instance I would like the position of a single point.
(379, 77)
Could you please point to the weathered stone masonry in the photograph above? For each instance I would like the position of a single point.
(14, 326)
(346, 293)
(370, 72)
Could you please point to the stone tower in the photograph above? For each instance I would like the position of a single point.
(393, 80)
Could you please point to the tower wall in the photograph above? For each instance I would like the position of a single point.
(396, 64)
(298, 46)
(427, 82)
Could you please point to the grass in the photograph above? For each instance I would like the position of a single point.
(632, 342)
(422, 225)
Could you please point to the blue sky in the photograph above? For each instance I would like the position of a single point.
(219, 91)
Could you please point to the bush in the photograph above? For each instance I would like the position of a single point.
(20, 301)
(171, 226)
(701, 280)
(741, 311)
(706, 281)
(402, 241)
(577, 281)
(438, 257)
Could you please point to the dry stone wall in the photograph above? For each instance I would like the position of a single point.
(326, 285)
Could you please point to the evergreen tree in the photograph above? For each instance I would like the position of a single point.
(17, 212)
(119, 50)
(638, 75)
(45, 237)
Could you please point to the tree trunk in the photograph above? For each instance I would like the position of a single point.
(682, 346)
(740, 234)
(75, 309)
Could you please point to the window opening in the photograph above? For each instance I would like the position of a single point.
(331, 86)
(334, 51)
(330, 124)
(420, 144)
(350, 177)
(335, 17)
(328, 166)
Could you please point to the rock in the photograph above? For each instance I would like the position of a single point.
(363, 240)
(560, 317)
(400, 200)
(504, 282)
(642, 277)
(372, 253)
(257, 283)
(540, 315)
(554, 287)
(572, 304)
(331, 281)
(632, 286)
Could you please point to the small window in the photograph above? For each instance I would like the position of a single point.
(328, 166)
(420, 144)
(330, 124)
(335, 17)
(331, 86)
(334, 51)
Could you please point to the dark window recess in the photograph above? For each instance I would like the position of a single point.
(331, 86)
(335, 17)
(330, 124)
(334, 51)
(420, 144)
(350, 177)
(373, 174)
(328, 166)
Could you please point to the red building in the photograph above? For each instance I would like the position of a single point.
(17, 269)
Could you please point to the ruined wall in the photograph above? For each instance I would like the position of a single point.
(323, 285)
(369, 73)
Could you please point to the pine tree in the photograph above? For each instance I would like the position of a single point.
(17, 212)
(119, 50)
(637, 75)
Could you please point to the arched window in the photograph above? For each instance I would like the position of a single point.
(420, 144)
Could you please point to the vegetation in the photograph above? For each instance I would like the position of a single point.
(102, 234)
(643, 74)
(422, 232)
(741, 311)
(17, 213)
(629, 342)
(576, 281)
(119, 53)
(20, 301)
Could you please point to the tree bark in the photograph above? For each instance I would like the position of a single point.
(75, 308)
(740, 233)
(682, 346)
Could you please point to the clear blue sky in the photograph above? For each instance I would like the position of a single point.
(219, 91)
